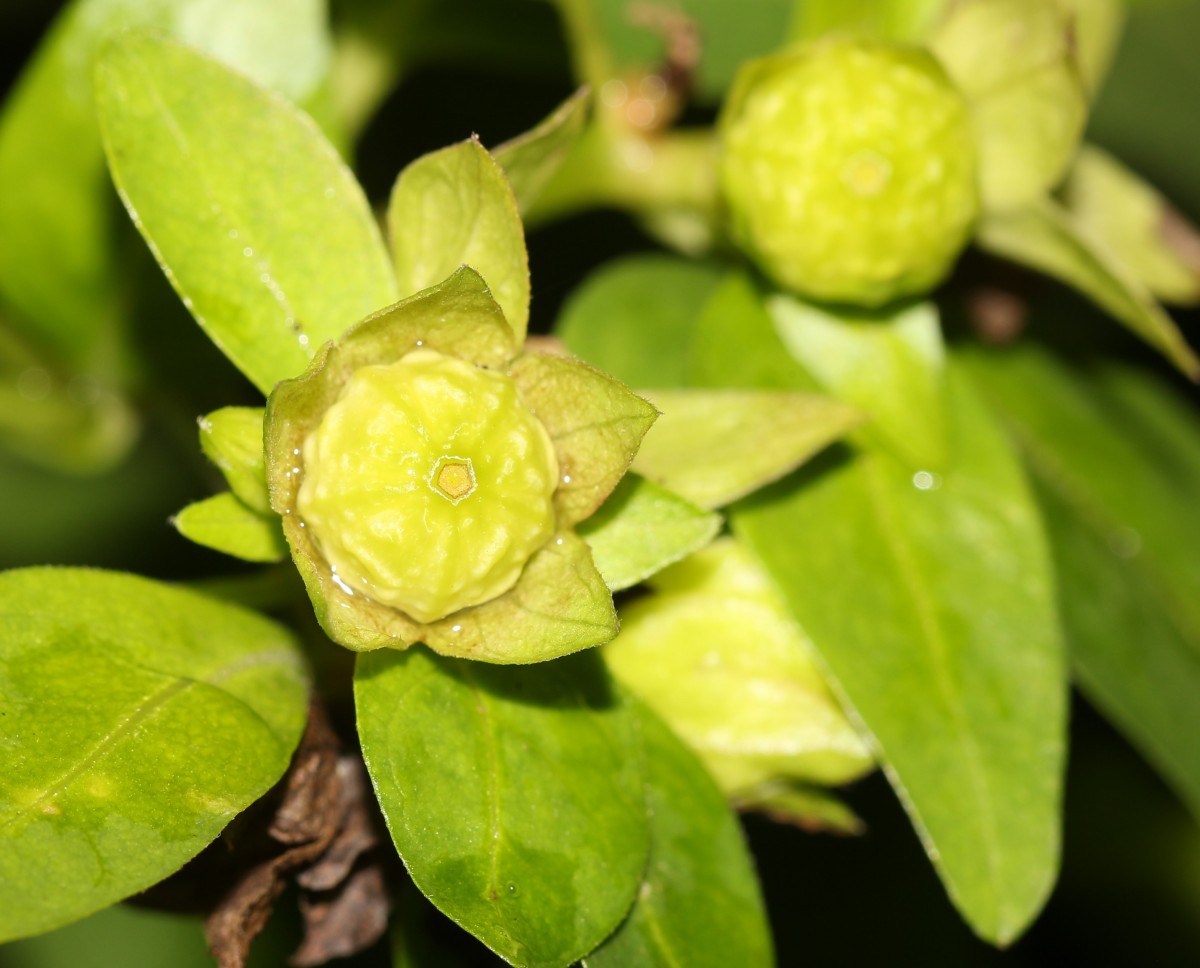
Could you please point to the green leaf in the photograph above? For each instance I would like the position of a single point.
(715, 446)
(232, 438)
(889, 364)
(1096, 27)
(700, 902)
(1014, 60)
(514, 795)
(261, 229)
(632, 317)
(595, 423)
(930, 599)
(58, 255)
(1139, 229)
(530, 160)
(454, 207)
(735, 343)
(715, 654)
(1116, 458)
(140, 720)
(1044, 237)
(642, 528)
(224, 523)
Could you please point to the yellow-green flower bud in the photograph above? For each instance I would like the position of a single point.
(428, 484)
(849, 170)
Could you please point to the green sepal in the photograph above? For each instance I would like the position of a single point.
(700, 902)
(455, 207)
(1015, 62)
(139, 719)
(513, 795)
(802, 805)
(230, 184)
(1135, 224)
(715, 446)
(232, 438)
(531, 160)
(642, 528)
(594, 422)
(222, 522)
(889, 364)
(1043, 236)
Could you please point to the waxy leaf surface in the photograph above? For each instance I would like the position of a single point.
(931, 600)
(139, 719)
(258, 224)
(699, 903)
(514, 795)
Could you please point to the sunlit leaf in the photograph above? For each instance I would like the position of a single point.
(222, 522)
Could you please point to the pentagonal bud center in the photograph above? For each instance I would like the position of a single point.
(453, 478)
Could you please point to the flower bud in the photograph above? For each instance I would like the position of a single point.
(849, 170)
(428, 484)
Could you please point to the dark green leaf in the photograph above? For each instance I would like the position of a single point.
(632, 318)
(642, 528)
(514, 795)
(138, 720)
(259, 226)
(931, 600)
(700, 902)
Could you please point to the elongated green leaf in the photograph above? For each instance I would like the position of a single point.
(595, 423)
(714, 446)
(232, 438)
(1044, 237)
(1015, 61)
(531, 159)
(58, 250)
(139, 719)
(642, 528)
(259, 226)
(1117, 462)
(887, 364)
(700, 903)
(454, 207)
(632, 318)
(1137, 226)
(513, 795)
(931, 601)
(222, 522)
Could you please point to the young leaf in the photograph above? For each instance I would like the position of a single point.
(641, 529)
(58, 254)
(259, 226)
(224, 523)
(232, 438)
(802, 805)
(632, 318)
(1125, 542)
(1043, 236)
(888, 364)
(596, 425)
(1138, 227)
(454, 207)
(700, 902)
(514, 795)
(139, 720)
(1015, 62)
(714, 446)
(531, 159)
(931, 600)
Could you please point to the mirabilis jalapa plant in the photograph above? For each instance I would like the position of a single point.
(437, 483)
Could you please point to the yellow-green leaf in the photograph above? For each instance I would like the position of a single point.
(224, 523)
(232, 438)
